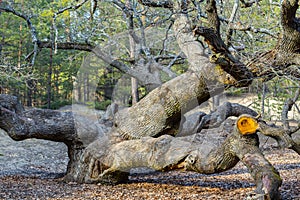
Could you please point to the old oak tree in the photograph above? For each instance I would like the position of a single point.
(143, 135)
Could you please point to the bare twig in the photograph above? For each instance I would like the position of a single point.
(166, 38)
(72, 7)
(240, 27)
(167, 70)
(231, 20)
(55, 15)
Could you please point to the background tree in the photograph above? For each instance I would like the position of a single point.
(241, 26)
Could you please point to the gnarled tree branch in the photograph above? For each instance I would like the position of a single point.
(286, 53)
(144, 76)
(106, 157)
(157, 3)
(223, 57)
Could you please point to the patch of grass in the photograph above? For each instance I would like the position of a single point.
(99, 105)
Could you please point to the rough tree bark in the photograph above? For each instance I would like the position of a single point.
(286, 53)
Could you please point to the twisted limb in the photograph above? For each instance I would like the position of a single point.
(190, 153)
(100, 156)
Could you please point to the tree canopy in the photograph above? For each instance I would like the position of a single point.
(44, 44)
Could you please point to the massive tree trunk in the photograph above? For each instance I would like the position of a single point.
(99, 153)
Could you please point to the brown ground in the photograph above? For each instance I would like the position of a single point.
(234, 184)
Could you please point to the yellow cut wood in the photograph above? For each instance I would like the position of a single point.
(247, 125)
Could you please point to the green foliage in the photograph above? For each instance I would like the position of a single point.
(236, 92)
(106, 27)
(99, 105)
(72, 25)
(58, 104)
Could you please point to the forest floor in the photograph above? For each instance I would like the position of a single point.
(31, 169)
